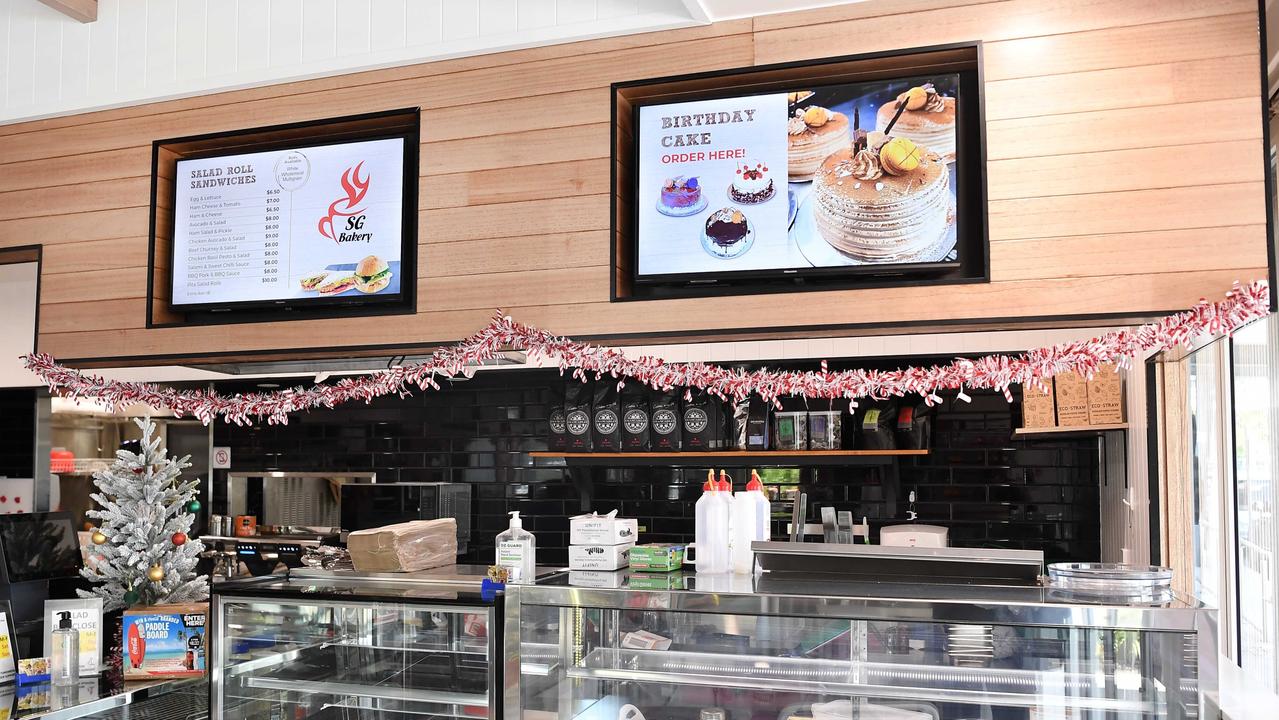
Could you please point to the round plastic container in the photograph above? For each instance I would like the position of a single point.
(1112, 580)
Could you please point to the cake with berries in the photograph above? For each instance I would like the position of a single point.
(752, 184)
(681, 196)
(813, 133)
(928, 119)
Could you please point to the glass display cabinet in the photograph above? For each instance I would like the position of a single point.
(352, 649)
(785, 650)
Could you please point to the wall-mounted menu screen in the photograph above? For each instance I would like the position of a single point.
(295, 226)
(849, 178)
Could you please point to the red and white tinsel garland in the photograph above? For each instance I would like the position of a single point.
(1242, 304)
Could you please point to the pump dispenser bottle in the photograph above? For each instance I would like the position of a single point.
(65, 660)
(517, 551)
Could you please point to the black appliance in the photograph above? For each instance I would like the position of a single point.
(41, 561)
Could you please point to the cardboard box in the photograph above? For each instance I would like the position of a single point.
(1106, 397)
(165, 641)
(599, 557)
(404, 547)
(657, 557)
(1038, 408)
(1071, 391)
(596, 529)
(656, 581)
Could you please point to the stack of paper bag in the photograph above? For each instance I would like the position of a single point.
(404, 547)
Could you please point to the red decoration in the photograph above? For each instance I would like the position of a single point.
(179, 538)
(1242, 304)
(137, 646)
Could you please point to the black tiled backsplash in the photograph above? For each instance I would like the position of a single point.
(989, 490)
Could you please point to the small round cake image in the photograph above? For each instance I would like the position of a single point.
(752, 184)
(813, 133)
(885, 203)
(681, 196)
(928, 119)
(727, 233)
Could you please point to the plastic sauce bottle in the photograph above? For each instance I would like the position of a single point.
(517, 551)
(750, 520)
(711, 529)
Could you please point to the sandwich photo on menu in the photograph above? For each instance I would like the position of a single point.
(372, 274)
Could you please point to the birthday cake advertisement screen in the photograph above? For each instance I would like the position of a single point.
(837, 176)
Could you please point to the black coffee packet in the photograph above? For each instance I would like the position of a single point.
(664, 421)
(606, 418)
(877, 426)
(556, 427)
(635, 419)
(758, 425)
(914, 426)
(577, 416)
(703, 423)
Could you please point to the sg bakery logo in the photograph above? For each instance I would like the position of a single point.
(348, 207)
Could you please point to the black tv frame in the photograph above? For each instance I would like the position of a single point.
(973, 243)
(242, 141)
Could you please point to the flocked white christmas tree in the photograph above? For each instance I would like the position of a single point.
(143, 552)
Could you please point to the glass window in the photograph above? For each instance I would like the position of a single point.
(1256, 433)
(1204, 401)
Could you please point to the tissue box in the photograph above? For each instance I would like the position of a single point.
(599, 557)
(657, 557)
(164, 641)
(595, 529)
(404, 547)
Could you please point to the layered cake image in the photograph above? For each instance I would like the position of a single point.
(681, 196)
(813, 133)
(928, 120)
(751, 184)
(885, 199)
(727, 234)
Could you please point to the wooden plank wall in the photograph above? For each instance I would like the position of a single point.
(1125, 176)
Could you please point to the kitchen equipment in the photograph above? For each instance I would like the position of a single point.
(914, 535)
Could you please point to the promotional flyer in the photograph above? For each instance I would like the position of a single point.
(311, 222)
(837, 176)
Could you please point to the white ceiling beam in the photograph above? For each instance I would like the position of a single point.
(85, 11)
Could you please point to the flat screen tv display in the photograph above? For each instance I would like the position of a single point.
(304, 225)
(821, 180)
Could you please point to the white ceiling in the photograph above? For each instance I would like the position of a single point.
(145, 50)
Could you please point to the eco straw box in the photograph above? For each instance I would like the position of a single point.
(1037, 407)
(1072, 399)
(1105, 397)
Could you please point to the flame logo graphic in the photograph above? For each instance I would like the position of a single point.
(355, 189)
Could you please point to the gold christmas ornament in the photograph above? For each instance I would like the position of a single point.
(98, 537)
(155, 574)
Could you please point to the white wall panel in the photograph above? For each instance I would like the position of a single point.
(161, 42)
(353, 32)
(143, 50)
(191, 37)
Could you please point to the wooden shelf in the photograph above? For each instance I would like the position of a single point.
(744, 457)
(1068, 429)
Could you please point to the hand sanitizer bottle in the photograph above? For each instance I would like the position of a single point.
(517, 552)
(65, 659)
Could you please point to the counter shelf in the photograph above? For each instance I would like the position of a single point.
(341, 647)
(771, 647)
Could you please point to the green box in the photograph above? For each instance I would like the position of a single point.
(657, 557)
(656, 581)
